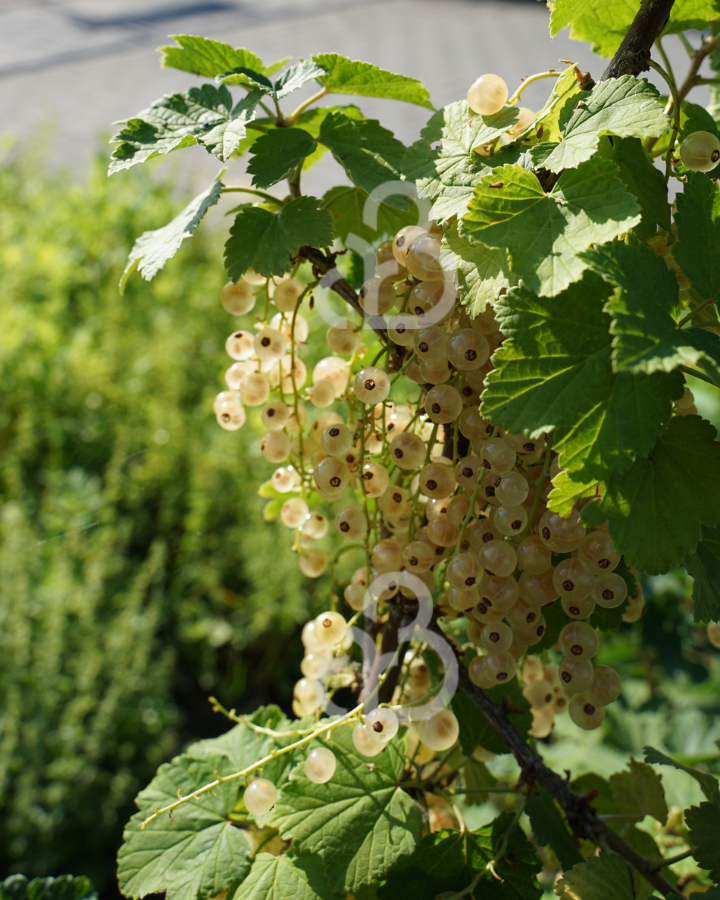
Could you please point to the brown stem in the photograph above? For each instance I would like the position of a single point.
(323, 263)
(581, 817)
(632, 55)
(691, 78)
(389, 644)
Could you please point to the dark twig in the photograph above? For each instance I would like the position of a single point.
(632, 55)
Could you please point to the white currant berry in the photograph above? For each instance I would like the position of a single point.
(498, 456)
(308, 693)
(578, 607)
(293, 512)
(332, 369)
(371, 385)
(313, 563)
(561, 534)
(436, 372)
(442, 533)
(332, 476)
(576, 674)
(330, 628)
(597, 553)
(255, 390)
(700, 151)
(320, 765)
(314, 664)
(437, 480)
(584, 713)
(578, 640)
(394, 502)
(440, 732)
(275, 415)
(315, 525)
(343, 337)
(464, 571)
(402, 329)
(500, 667)
(498, 593)
(510, 520)
(351, 523)
(418, 557)
(375, 478)
(407, 450)
(285, 479)
(275, 446)
(238, 299)
(240, 345)
(402, 241)
(462, 600)
(495, 638)
(260, 796)
(609, 590)
(365, 742)
(356, 597)
(382, 723)
(538, 588)
(336, 440)
(286, 294)
(443, 404)
(377, 296)
(238, 372)
(513, 489)
(572, 580)
(498, 557)
(487, 95)
(423, 258)
(468, 349)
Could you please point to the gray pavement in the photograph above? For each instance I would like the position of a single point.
(79, 65)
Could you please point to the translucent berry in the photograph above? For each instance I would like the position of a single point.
(351, 523)
(498, 456)
(238, 299)
(498, 593)
(464, 571)
(330, 628)
(510, 520)
(365, 742)
(418, 557)
(382, 723)
(402, 329)
(498, 558)
(336, 440)
(371, 385)
(407, 450)
(578, 640)
(403, 239)
(572, 580)
(605, 686)
(578, 607)
(597, 553)
(376, 297)
(313, 563)
(275, 446)
(512, 490)
(375, 478)
(320, 765)
(275, 415)
(443, 403)
(500, 667)
(423, 258)
(240, 345)
(260, 796)
(255, 390)
(576, 674)
(293, 512)
(533, 556)
(269, 344)
(467, 349)
(585, 714)
(700, 151)
(331, 476)
(609, 590)
(286, 294)
(440, 732)
(487, 95)
(496, 637)
(562, 535)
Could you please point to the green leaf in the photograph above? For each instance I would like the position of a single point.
(558, 107)
(482, 272)
(153, 249)
(268, 240)
(196, 853)
(476, 731)
(704, 566)
(545, 232)
(360, 822)
(657, 507)
(286, 877)
(202, 56)
(697, 251)
(448, 173)
(449, 861)
(554, 370)
(277, 153)
(477, 778)
(550, 829)
(639, 792)
(567, 491)
(599, 878)
(64, 887)
(295, 77)
(203, 115)
(606, 22)
(647, 338)
(708, 783)
(346, 76)
(354, 213)
(625, 106)
(644, 180)
(369, 153)
(703, 823)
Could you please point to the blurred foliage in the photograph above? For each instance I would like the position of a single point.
(136, 573)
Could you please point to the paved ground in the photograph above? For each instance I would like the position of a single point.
(81, 64)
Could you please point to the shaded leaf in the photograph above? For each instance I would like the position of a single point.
(697, 251)
(354, 213)
(554, 371)
(286, 877)
(268, 240)
(277, 153)
(656, 508)
(599, 878)
(64, 887)
(476, 731)
(704, 566)
(638, 792)
(550, 829)
(708, 783)
(482, 272)
(703, 823)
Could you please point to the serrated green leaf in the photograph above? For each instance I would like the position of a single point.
(203, 115)
(346, 76)
(606, 22)
(638, 792)
(202, 56)
(370, 154)
(703, 823)
(286, 877)
(272, 510)
(554, 371)
(198, 852)
(354, 213)
(277, 153)
(566, 491)
(644, 180)
(704, 566)
(446, 174)
(64, 887)
(449, 861)
(708, 783)
(647, 338)
(476, 731)
(557, 109)
(550, 829)
(545, 232)
(295, 77)
(360, 822)
(599, 878)
(268, 240)
(153, 249)
(697, 251)
(625, 106)
(681, 479)
(482, 272)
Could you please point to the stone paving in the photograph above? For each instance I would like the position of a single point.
(79, 65)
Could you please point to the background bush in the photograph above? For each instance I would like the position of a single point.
(136, 573)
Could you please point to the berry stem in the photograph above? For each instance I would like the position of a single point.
(539, 484)
(526, 82)
(294, 115)
(244, 190)
(671, 107)
(687, 370)
(694, 312)
(657, 865)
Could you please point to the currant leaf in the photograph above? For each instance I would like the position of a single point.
(268, 240)
(361, 820)
(202, 56)
(704, 566)
(647, 338)
(703, 823)
(697, 251)
(554, 371)
(708, 783)
(153, 249)
(598, 878)
(63, 887)
(276, 154)
(545, 232)
(638, 792)
(681, 479)
(347, 76)
(625, 106)
(482, 272)
(359, 219)
(302, 877)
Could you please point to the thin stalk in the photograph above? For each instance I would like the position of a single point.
(687, 45)
(670, 108)
(245, 190)
(401, 371)
(691, 315)
(665, 58)
(688, 370)
(551, 73)
(657, 865)
(293, 117)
